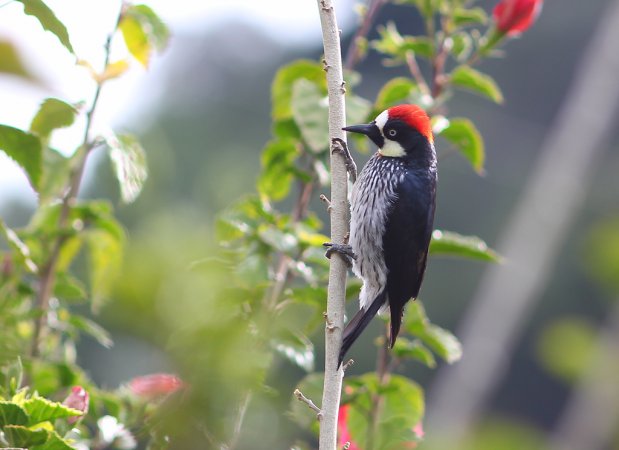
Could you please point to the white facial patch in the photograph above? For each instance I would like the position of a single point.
(389, 148)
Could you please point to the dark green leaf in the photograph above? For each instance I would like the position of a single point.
(22, 437)
(40, 409)
(281, 90)
(11, 62)
(466, 137)
(297, 348)
(454, 244)
(463, 17)
(129, 162)
(52, 114)
(48, 20)
(278, 162)
(12, 414)
(25, 149)
(310, 110)
(396, 90)
(472, 80)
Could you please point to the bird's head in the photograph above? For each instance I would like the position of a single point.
(398, 131)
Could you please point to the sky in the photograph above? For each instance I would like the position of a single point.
(293, 22)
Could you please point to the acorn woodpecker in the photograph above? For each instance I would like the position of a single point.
(392, 213)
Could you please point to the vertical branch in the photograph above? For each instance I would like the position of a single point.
(339, 227)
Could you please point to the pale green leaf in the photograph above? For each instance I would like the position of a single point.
(281, 90)
(396, 90)
(40, 409)
(463, 17)
(310, 110)
(472, 80)
(129, 162)
(52, 114)
(105, 259)
(405, 348)
(277, 168)
(25, 149)
(136, 39)
(48, 20)
(11, 62)
(297, 348)
(21, 249)
(453, 244)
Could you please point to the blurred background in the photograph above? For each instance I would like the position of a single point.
(202, 113)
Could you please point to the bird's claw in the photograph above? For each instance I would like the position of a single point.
(339, 146)
(344, 250)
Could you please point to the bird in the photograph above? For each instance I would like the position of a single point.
(392, 209)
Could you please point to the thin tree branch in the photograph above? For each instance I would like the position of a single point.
(302, 398)
(415, 71)
(353, 54)
(339, 228)
(47, 277)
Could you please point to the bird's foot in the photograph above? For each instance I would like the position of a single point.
(339, 146)
(344, 250)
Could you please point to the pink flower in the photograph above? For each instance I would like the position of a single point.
(512, 17)
(155, 385)
(77, 399)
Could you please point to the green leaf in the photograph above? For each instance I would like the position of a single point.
(69, 288)
(602, 254)
(129, 163)
(105, 259)
(566, 347)
(405, 348)
(277, 239)
(311, 113)
(52, 114)
(40, 409)
(396, 90)
(463, 17)
(48, 20)
(472, 80)
(54, 442)
(454, 244)
(281, 90)
(462, 44)
(22, 437)
(402, 409)
(25, 149)
(12, 414)
(143, 32)
(92, 329)
(19, 247)
(392, 43)
(56, 171)
(466, 137)
(357, 109)
(443, 342)
(277, 162)
(297, 348)
(11, 62)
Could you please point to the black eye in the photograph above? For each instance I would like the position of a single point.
(392, 132)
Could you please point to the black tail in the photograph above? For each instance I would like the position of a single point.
(357, 324)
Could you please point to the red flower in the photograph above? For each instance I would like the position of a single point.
(155, 385)
(512, 17)
(77, 399)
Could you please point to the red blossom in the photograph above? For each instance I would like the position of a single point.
(512, 17)
(155, 385)
(77, 399)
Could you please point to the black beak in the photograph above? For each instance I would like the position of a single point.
(370, 130)
(367, 129)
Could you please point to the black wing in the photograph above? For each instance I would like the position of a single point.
(406, 240)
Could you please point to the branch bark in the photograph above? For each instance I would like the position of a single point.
(336, 296)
